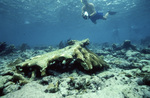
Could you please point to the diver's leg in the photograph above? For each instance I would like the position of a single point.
(105, 16)
(108, 13)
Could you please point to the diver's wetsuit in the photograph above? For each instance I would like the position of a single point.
(97, 16)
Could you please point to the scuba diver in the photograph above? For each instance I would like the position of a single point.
(88, 11)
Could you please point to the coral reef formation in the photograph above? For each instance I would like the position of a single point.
(127, 77)
(76, 55)
(126, 45)
(6, 49)
(24, 47)
(145, 51)
(63, 44)
(2, 46)
(8, 82)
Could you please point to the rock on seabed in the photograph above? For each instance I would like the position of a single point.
(64, 75)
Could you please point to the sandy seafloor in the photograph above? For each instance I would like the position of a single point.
(127, 77)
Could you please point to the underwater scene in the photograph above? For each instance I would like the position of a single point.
(74, 48)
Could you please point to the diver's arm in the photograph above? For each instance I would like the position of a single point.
(83, 10)
(93, 13)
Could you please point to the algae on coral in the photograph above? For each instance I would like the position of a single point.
(76, 55)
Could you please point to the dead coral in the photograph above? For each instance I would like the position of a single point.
(6, 49)
(76, 55)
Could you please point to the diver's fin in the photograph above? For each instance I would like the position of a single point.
(112, 13)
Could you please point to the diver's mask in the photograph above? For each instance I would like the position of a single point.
(85, 15)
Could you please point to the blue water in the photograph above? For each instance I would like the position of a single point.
(47, 22)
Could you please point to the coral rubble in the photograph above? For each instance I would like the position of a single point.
(127, 77)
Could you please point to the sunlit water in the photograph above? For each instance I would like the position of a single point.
(47, 22)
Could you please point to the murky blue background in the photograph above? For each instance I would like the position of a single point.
(47, 22)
